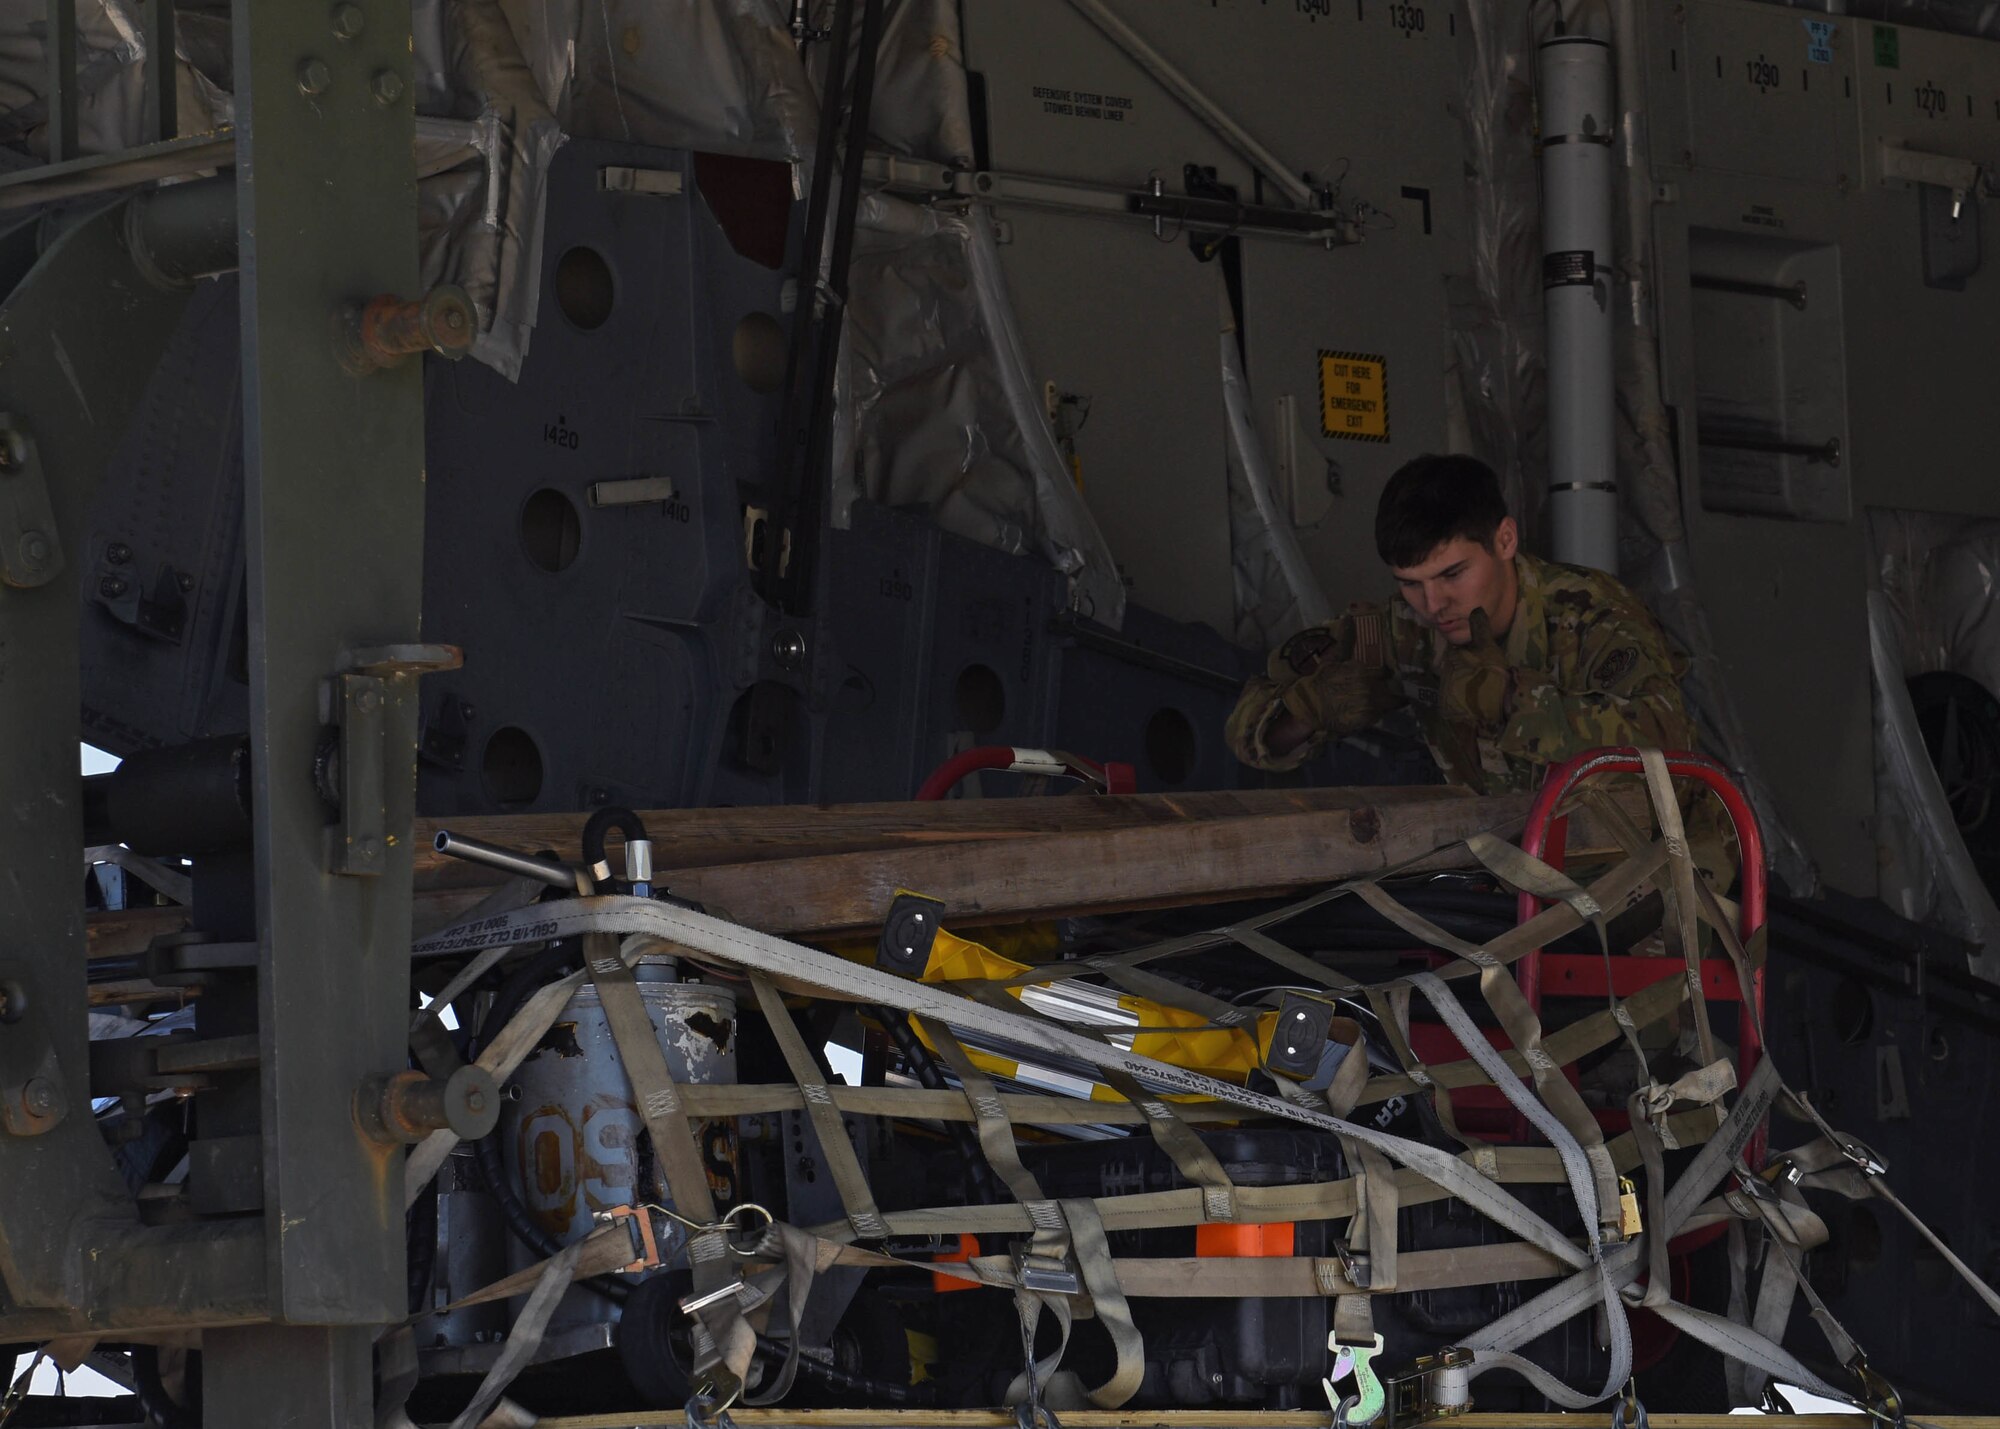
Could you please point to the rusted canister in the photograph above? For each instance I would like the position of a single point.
(575, 1144)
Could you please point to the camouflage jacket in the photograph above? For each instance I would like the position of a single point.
(1589, 666)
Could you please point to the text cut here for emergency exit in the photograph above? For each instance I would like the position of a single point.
(1353, 396)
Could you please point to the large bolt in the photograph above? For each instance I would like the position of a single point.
(118, 553)
(314, 76)
(387, 329)
(112, 587)
(348, 21)
(34, 548)
(387, 86)
(405, 1108)
(38, 1097)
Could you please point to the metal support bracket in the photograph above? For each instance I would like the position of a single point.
(1902, 165)
(30, 554)
(353, 774)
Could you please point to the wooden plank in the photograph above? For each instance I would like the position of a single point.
(1171, 852)
(697, 838)
(1099, 870)
(1193, 1419)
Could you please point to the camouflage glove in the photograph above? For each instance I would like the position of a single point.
(1341, 697)
(1474, 681)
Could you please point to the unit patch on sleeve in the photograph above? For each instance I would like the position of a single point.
(1616, 666)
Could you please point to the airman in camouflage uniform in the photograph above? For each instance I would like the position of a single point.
(1576, 662)
(1582, 664)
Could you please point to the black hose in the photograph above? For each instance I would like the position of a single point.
(985, 1185)
(603, 822)
(420, 1231)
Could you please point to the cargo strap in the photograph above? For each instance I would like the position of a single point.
(1593, 1278)
(838, 1152)
(839, 978)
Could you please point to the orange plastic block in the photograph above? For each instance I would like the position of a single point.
(1235, 1239)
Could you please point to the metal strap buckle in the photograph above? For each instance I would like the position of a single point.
(1861, 1155)
(1885, 1405)
(1410, 1401)
(639, 1226)
(1628, 1412)
(704, 1411)
(1353, 1264)
(1045, 1275)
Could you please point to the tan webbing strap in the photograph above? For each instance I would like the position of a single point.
(1392, 1014)
(1190, 1155)
(1685, 936)
(1293, 1277)
(658, 1099)
(1354, 1319)
(1298, 964)
(1188, 1152)
(845, 1167)
(1371, 1234)
(499, 1057)
(653, 1084)
(1566, 1044)
(525, 1337)
(1524, 873)
(1344, 1092)
(1659, 1275)
(1107, 1298)
(1524, 1029)
(1051, 1242)
(996, 1134)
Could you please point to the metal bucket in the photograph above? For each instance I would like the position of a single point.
(574, 1143)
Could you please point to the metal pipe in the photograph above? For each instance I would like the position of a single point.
(178, 801)
(1827, 451)
(184, 232)
(556, 875)
(1199, 104)
(1793, 293)
(1577, 118)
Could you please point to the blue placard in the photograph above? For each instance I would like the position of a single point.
(1819, 41)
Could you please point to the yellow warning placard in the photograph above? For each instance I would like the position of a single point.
(1353, 396)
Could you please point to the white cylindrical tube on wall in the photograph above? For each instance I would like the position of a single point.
(1574, 83)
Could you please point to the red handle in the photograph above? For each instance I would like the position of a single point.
(1103, 778)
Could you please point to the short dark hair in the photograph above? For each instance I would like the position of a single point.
(1436, 499)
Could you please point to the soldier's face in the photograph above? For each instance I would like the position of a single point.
(1462, 576)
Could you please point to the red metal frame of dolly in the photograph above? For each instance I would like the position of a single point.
(1586, 975)
(1593, 976)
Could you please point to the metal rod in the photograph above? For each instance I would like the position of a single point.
(1199, 104)
(806, 324)
(61, 54)
(1793, 293)
(161, 118)
(796, 586)
(556, 875)
(1105, 642)
(1827, 451)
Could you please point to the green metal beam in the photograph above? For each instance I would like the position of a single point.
(334, 507)
(79, 337)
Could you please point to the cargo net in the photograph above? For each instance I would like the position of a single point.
(1581, 1225)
